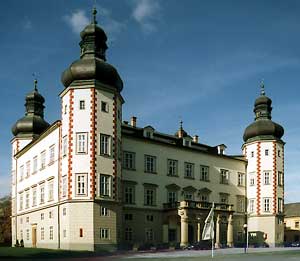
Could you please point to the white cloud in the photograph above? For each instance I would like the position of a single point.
(77, 20)
(146, 13)
(27, 24)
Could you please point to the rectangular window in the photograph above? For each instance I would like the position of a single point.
(82, 105)
(105, 185)
(129, 194)
(279, 153)
(65, 233)
(104, 212)
(128, 216)
(50, 214)
(251, 205)
(34, 197)
(128, 234)
(21, 172)
(104, 106)
(240, 204)
(241, 179)
(267, 202)
(188, 170)
(280, 178)
(80, 232)
(150, 164)
(65, 109)
(172, 167)
(280, 205)
(224, 198)
(42, 233)
(171, 196)
(43, 159)
(42, 216)
(64, 186)
(266, 152)
(149, 234)
(27, 169)
(81, 183)
(297, 224)
(42, 194)
(149, 196)
(224, 176)
(129, 160)
(64, 211)
(266, 178)
(252, 154)
(64, 145)
(27, 199)
(188, 195)
(50, 190)
(27, 234)
(149, 218)
(204, 197)
(51, 154)
(104, 233)
(35, 164)
(204, 173)
(27, 219)
(81, 143)
(21, 202)
(104, 144)
(51, 233)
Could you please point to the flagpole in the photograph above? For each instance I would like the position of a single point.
(213, 232)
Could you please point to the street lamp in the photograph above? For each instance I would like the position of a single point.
(245, 238)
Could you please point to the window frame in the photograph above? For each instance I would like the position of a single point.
(129, 160)
(81, 144)
(105, 186)
(172, 167)
(81, 184)
(148, 161)
(204, 175)
(105, 145)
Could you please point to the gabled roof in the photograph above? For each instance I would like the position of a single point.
(292, 210)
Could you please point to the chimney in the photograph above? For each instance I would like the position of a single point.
(196, 138)
(125, 122)
(133, 121)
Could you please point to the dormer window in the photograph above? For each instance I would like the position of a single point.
(186, 142)
(104, 106)
(148, 132)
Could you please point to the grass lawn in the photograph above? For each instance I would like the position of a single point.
(40, 253)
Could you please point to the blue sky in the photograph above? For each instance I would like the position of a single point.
(199, 61)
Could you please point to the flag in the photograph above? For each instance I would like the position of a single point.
(208, 230)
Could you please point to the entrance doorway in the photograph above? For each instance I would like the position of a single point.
(33, 230)
(191, 234)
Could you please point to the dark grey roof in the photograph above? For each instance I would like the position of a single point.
(292, 210)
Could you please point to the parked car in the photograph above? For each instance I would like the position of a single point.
(201, 245)
(295, 244)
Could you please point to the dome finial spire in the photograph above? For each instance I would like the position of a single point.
(262, 87)
(94, 13)
(35, 81)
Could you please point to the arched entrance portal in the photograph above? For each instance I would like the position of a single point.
(191, 234)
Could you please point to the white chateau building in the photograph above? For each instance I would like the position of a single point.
(90, 181)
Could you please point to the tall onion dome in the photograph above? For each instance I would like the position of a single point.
(263, 128)
(33, 123)
(92, 64)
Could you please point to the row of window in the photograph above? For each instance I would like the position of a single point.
(149, 234)
(150, 166)
(36, 195)
(267, 178)
(82, 106)
(267, 205)
(28, 169)
(267, 153)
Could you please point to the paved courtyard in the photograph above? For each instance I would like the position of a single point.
(257, 254)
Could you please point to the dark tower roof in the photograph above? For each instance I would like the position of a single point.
(263, 127)
(33, 123)
(92, 64)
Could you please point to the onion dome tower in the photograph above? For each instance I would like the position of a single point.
(33, 123)
(92, 64)
(263, 127)
(264, 151)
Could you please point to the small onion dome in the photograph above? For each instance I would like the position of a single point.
(33, 122)
(92, 64)
(263, 127)
(181, 132)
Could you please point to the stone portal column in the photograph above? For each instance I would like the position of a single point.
(184, 232)
(198, 231)
(165, 233)
(217, 237)
(230, 231)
